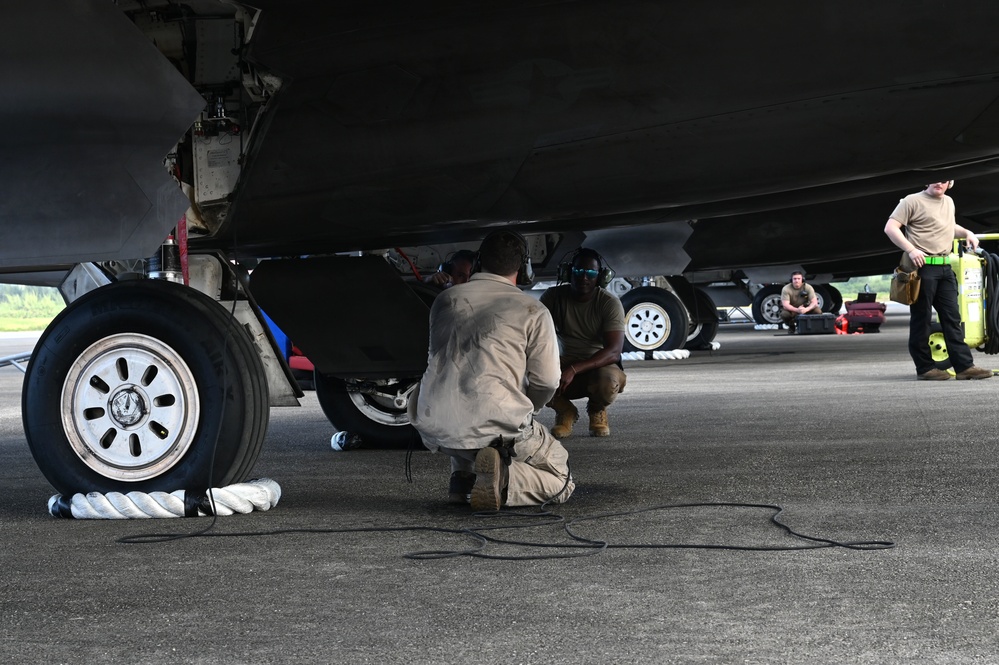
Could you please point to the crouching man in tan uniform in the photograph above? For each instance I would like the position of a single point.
(797, 298)
(493, 364)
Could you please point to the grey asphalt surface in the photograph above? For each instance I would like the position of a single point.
(834, 429)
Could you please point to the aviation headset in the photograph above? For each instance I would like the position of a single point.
(525, 273)
(459, 255)
(804, 292)
(565, 268)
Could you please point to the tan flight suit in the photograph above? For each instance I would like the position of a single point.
(493, 363)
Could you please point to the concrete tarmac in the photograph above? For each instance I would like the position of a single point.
(834, 429)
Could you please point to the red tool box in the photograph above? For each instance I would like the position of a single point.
(865, 314)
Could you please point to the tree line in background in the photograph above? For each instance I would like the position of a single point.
(32, 307)
(28, 307)
(879, 284)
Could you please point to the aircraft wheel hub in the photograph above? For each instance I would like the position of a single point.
(127, 407)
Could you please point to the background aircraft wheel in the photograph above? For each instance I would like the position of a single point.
(938, 347)
(821, 297)
(833, 299)
(702, 334)
(766, 305)
(374, 409)
(655, 320)
(140, 386)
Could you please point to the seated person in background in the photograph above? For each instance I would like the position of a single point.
(590, 325)
(797, 298)
(455, 270)
(493, 364)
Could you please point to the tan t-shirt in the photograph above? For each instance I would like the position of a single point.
(581, 325)
(928, 222)
(793, 297)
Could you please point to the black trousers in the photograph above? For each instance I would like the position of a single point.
(937, 290)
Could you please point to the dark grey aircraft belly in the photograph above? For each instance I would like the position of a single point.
(404, 123)
(425, 124)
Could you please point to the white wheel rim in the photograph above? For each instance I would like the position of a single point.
(130, 407)
(387, 404)
(648, 326)
(770, 307)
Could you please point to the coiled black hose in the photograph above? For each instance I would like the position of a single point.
(991, 345)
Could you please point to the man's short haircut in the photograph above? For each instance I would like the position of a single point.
(502, 252)
(585, 254)
(798, 272)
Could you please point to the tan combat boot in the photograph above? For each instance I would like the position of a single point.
(598, 423)
(566, 416)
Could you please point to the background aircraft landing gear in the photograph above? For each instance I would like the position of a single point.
(374, 409)
(655, 320)
(831, 299)
(702, 332)
(144, 385)
(767, 306)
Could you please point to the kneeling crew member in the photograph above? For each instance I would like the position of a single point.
(797, 298)
(493, 364)
(457, 269)
(590, 325)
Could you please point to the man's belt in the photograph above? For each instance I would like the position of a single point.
(938, 260)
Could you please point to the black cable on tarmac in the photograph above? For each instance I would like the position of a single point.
(578, 545)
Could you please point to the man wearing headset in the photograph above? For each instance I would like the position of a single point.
(457, 269)
(590, 325)
(930, 229)
(493, 364)
(797, 298)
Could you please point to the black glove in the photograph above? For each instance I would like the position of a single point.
(505, 449)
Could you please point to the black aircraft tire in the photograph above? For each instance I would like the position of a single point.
(703, 334)
(257, 391)
(655, 320)
(377, 420)
(766, 305)
(834, 303)
(154, 393)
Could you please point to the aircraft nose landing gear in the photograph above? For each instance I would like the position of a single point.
(156, 387)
